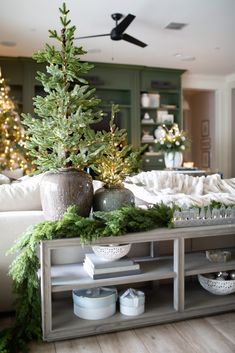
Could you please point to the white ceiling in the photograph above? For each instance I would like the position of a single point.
(209, 35)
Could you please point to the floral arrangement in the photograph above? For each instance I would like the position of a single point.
(172, 140)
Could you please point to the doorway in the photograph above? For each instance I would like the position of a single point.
(199, 122)
(233, 129)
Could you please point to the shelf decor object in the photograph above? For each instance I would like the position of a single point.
(206, 216)
(145, 100)
(218, 255)
(132, 302)
(173, 159)
(95, 304)
(216, 286)
(111, 252)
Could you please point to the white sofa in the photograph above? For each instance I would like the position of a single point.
(20, 207)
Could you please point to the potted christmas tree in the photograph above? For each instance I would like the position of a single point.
(60, 140)
(117, 160)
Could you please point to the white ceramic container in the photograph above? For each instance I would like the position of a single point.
(95, 313)
(132, 302)
(95, 297)
(95, 303)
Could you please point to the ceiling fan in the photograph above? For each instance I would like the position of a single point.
(117, 33)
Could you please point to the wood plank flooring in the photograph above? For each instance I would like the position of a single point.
(214, 334)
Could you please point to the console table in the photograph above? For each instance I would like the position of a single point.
(173, 293)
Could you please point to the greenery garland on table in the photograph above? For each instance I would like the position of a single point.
(24, 268)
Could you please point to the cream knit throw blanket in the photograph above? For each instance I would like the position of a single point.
(181, 189)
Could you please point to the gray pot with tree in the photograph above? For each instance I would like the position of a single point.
(116, 161)
(60, 140)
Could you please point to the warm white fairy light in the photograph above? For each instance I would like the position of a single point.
(11, 133)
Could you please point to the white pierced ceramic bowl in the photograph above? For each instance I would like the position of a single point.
(219, 287)
(111, 252)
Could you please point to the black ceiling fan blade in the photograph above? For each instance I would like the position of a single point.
(133, 40)
(96, 35)
(122, 26)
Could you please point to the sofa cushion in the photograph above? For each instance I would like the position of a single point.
(23, 195)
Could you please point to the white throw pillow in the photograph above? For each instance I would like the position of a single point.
(21, 195)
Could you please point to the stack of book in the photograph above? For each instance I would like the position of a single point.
(98, 268)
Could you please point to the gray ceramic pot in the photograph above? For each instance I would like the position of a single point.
(64, 188)
(112, 198)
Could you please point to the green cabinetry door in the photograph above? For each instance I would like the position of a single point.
(116, 84)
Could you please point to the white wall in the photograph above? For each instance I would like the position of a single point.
(230, 85)
(222, 155)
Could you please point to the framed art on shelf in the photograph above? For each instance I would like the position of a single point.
(206, 143)
(205, 128)
(205, 159)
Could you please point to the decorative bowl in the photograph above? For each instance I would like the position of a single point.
(218, 255)
(215, 286)
(111, 252)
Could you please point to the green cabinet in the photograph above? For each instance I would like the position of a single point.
(160, 103)
(115, 83)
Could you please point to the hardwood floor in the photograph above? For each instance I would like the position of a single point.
(214, 334)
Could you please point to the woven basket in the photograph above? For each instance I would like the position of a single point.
(216, 286)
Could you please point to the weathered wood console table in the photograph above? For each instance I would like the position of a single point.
(173, 292)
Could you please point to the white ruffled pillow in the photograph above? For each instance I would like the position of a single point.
(22, 195)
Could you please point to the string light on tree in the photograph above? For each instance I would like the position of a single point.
(118, 158)
(12, 152)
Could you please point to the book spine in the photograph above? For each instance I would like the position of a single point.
(117, 274)
(108, 264)
(87, 266)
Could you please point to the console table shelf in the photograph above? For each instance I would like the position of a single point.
(172, 290)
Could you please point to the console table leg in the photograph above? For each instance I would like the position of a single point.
(46, 302)
(179, 271)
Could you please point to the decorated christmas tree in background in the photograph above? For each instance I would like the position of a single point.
(12, 153)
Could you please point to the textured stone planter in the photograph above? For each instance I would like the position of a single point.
(65, 188)
(112, 198)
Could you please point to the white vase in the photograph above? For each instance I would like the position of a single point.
(145, 100)
(173, 159)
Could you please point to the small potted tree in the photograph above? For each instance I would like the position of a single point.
(117, 160)
(60, 139)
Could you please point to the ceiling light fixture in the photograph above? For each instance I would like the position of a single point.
(188, 58)
(183, 57)
(176, 25)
